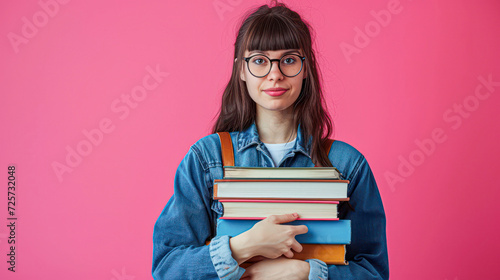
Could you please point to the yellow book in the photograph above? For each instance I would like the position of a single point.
(329, 253)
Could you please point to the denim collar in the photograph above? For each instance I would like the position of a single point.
(250, 136)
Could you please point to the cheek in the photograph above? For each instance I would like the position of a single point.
(252, 85)
(298, 85)
(252, 89)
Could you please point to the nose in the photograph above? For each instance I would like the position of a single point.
(275, 73)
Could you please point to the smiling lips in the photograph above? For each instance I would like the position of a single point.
(275, 91)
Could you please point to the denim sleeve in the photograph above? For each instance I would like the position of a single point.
(184, 225)
(227, 267)
(318, 270)
(367, 253)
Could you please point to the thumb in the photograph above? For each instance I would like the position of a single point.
(284, 218)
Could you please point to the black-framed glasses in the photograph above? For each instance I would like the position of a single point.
(260, 65)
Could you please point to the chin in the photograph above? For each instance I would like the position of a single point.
(277, 108)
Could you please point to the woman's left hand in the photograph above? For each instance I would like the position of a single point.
(279, 268)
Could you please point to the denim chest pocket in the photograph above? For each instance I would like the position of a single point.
(216, 173)
(217, 208)
(218, 211)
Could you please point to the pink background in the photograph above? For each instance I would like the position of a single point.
(64, 75)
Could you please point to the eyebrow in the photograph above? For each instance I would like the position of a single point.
(264, 52)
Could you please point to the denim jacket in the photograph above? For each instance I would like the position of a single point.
(189, 219)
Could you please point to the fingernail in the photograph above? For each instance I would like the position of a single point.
(295, 215)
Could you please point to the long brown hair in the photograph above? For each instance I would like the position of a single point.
(277, 28)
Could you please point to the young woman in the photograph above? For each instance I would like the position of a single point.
(274, 110)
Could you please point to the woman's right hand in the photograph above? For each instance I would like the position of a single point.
(268, 238)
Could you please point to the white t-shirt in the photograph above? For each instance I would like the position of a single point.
(279, 150)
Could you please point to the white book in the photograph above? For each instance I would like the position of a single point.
(281, 172)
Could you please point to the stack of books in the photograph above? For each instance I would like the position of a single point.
(250, 194)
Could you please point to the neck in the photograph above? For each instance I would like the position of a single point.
(275, 127)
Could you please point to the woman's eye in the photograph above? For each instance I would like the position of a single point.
(258, 61)
(289, 60)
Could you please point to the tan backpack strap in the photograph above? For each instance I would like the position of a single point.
(227, 149)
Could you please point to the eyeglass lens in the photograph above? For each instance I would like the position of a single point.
(260, 65)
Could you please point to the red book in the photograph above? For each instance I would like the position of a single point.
(243, 209)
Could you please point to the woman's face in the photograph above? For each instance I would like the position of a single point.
(259, 88)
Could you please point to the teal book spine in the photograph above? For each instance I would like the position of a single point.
(319, 232)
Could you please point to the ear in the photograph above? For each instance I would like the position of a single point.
(242, 74)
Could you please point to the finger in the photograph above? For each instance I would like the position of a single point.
(297, 247)
(288, 254)
(300, 229)
(284, 218)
